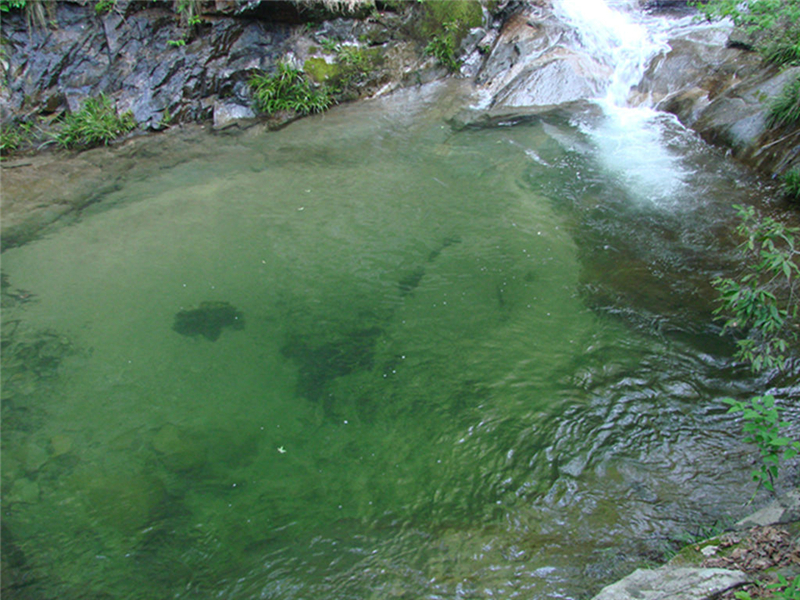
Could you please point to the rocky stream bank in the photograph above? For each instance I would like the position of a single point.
(522, 58)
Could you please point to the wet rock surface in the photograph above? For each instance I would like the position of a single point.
(724, 94)
(759, 549)
(673, 583)
(714, 86)
(532, 64)
(127, 54)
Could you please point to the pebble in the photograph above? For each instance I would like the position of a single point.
(708, 551)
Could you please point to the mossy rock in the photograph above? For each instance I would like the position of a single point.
(691, 555)
(466, 14)
(321, 71)
(352, 68)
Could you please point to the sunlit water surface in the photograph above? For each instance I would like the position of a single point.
(475, 363)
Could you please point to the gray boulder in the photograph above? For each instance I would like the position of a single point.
(534, 62)
(668, 583)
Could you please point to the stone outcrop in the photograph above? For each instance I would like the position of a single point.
(784, 509)
(533, 64)
(724, 94)
(668, 583)
(719, 89)
(141, 56)
(127, 55)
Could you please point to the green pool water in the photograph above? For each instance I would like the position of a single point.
(467, 363)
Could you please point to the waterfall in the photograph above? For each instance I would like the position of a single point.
(631, 140)
(619, 36)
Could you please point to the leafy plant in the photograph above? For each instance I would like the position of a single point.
(7, 5)
(775, 24)
(782, 590)
(791, 183)
(189, 14)
(105, 6)
(788, 591)
(189, 11)
(94, 124)
(329, 46)
(166, 118)
(288, 89)
(785, 109)
(353, 56)
(762, 425)
(443, 47)
(761, 301)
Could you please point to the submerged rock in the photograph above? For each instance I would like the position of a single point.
(321, 363)
(178, 450)
(208, 320)
(125, 501)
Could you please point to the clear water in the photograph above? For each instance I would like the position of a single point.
(474, 364)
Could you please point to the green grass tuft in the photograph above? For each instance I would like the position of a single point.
(785, 109)
(14, 137)
(95, 124)
(791, 184)
(443, 48)
(290, 90)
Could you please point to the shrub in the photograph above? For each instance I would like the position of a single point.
(96, 123)
(774, 23)
(761, 302)
(785, 109)
(288, 89)
(762, 425)
(7, 5)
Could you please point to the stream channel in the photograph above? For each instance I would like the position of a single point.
(375, 355)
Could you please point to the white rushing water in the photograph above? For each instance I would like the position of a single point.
(632, 141)
(620, 36)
